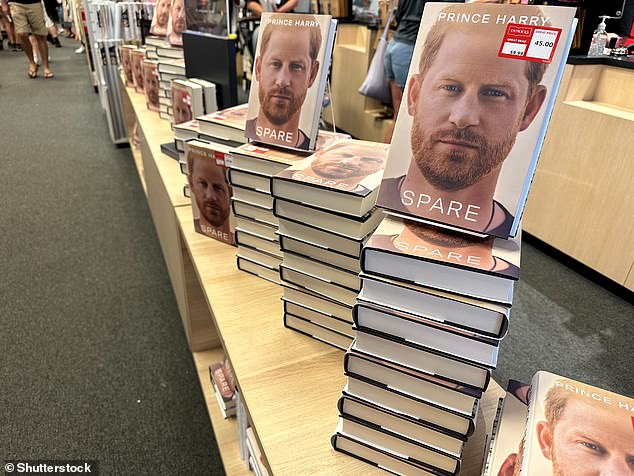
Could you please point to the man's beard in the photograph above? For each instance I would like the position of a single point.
(443, 237)
(457, 169)
(213, 213)
(279, 114)
(337, 171)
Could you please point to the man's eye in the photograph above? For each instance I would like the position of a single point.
(275, 64)
(452, 88)
(296, 67)
(593, 447)
(496, 93)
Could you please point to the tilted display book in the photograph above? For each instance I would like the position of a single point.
(210, 190)
(291, 66)
(480, 91)
(187, 100)
(411, 251)
(138, 56)
(508, 430)
(575, 428)
(343, 177)
(150, 82)
(126, 62)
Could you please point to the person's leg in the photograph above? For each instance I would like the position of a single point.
(400, 58)
(35, 49)
(22, 30)
(43, 49)
(38, 26)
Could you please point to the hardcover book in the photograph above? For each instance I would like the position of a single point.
(253, 240)
(417, 431)
(258, 269)
(418, 410)
(150, 85)
(482, 317)
(264, 160)
(432, 334)
(376, 456)
(301, 297)
(419, 386)
(209, 16)
(210, 101)
(575, 428)
(321, 238)
(210, 190)
(138, 56)
(508, 430)
(343, 177)
(318, 285)
(422, 359)
(335, 339)
(398, 445)
(177, 23)
(320, 319)
(291, 66)
(227, 124)
(414, 252)
(346, 226)
(321, 253)
(161, 17)
(172, 66)
(187, 100)
(481, 87)
(126, 63)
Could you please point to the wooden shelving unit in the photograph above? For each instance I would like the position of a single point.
(289, 382)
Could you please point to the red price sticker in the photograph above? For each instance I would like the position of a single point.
(529, 42)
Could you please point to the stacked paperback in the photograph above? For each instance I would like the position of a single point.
(325, 208)
(437, 275)
(561, 426)
(224, 386)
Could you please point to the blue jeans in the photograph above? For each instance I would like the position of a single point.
(397, 58)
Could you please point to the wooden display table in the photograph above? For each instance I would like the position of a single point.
(290, 383)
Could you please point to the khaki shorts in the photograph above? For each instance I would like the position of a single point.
(28, 18)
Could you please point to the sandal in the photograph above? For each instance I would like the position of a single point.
(48, 75)
(33, 73)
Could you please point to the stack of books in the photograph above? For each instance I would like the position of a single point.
(325, 208)
(438, 273)
(594, 429)
(251, 169)
(225, 126)
(223, 384)
(256, 458)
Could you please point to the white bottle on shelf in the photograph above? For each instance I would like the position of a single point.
(599, 39)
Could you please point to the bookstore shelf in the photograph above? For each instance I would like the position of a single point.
(289, 382)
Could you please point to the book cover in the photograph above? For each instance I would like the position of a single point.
(291, 65)
(161, 17)
(575, 428)
(481, 87)
(138, 56)
(211, 192)
(508, 431)
(150, 82)
(187, 100)
(227, 123)
(126, 63)
(208, 16)
(177, 23)
(343, 177)
(397, 243)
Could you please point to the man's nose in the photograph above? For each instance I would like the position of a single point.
(465, 111)
(283, 78)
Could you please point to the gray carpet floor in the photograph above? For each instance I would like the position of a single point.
(93, 360)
